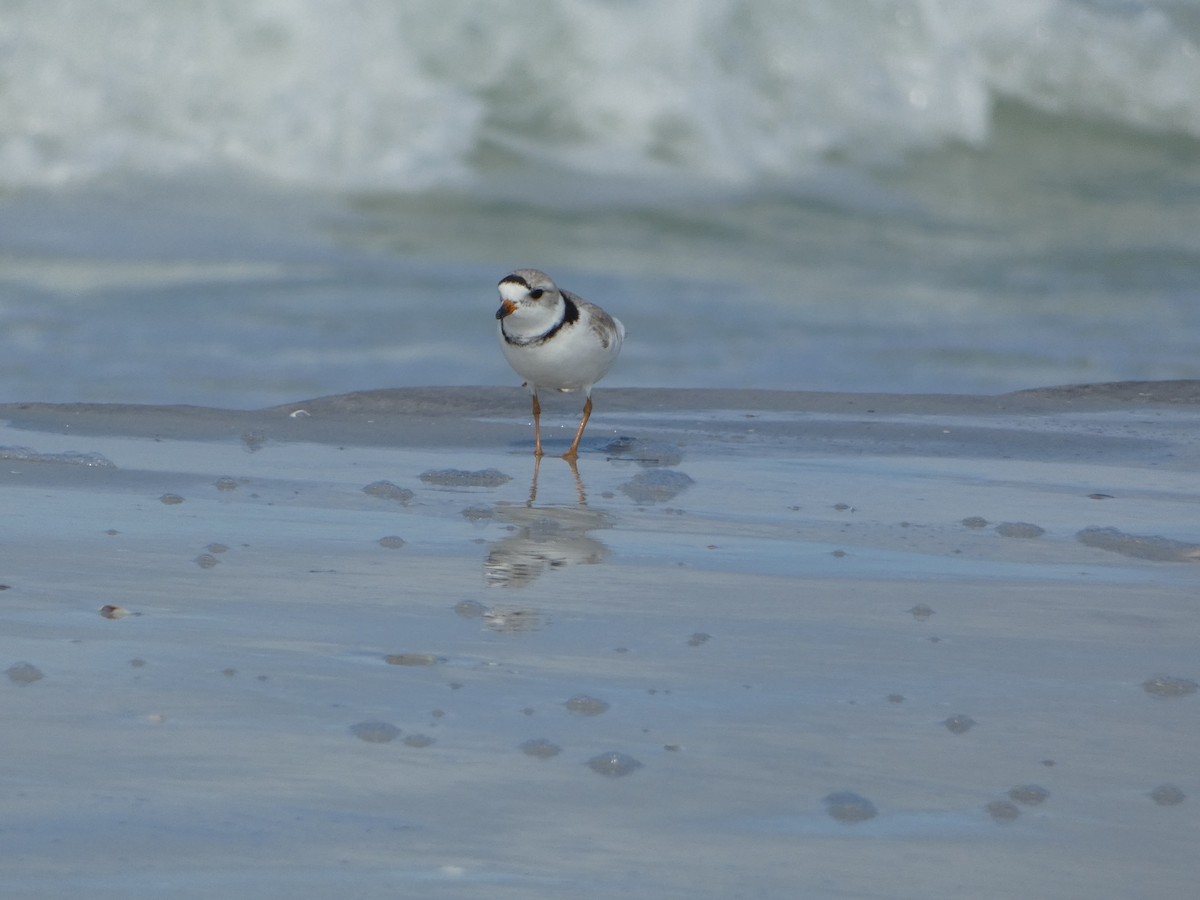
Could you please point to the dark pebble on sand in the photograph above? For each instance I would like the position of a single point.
(170, 499)
(391, 542)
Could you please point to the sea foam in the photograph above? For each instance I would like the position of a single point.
(407, 97)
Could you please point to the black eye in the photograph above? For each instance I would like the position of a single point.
(536, 294)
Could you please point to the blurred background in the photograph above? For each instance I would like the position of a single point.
(248, 202)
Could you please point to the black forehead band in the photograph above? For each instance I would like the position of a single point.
(514, 279)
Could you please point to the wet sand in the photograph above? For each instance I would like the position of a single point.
(755, 644)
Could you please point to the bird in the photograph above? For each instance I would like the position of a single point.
(555, 340)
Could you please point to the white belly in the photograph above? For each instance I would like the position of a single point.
(573, 359)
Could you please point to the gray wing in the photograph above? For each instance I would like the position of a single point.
(607, 328)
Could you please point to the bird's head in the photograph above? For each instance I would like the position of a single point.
(526, 290)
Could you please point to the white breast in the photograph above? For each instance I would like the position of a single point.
(572, 359)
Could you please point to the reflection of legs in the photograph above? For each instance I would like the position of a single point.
(537, 425)
(537, 464)
(573, 453)
(579, 488)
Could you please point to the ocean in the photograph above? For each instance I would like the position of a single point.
(247, 203)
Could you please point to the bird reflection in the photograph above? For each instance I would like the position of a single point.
(580, 490)
(547, 537)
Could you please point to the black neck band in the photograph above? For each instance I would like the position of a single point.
(570, 314)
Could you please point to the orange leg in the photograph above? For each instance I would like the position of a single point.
(573, 453)
(537, 426)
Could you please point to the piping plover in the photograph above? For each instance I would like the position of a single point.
(556, 341)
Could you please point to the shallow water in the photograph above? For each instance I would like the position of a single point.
(559, 687)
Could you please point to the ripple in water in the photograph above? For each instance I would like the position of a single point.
(656, 485)
(1169, 686)
(1003, 810)
(24, 673)
(1140, 546)
(413, 659)
(959, 724)
(385, 490)
(469, 609)
(540, 748)
(613, 764)
(1028, 794)
(583, 705)
(849, 807)
(464, 478)
(1019, 530)
(1167, 795)
(375, 732)
(70, 457)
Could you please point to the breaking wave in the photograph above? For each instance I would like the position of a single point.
(409, 96)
